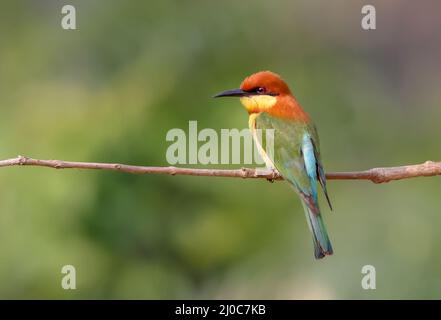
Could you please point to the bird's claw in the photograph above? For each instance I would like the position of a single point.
(273, 176)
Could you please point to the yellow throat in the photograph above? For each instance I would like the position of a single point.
(260, 103)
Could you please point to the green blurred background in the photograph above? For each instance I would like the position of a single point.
(110, 90)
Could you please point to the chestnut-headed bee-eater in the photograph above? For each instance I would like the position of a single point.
(271, 105)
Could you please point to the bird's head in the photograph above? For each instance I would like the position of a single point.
(260, 91)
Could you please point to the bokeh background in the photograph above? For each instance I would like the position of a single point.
(110, 90)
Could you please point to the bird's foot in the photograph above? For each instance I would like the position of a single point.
(274, 175)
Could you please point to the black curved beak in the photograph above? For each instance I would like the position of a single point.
(232, 93)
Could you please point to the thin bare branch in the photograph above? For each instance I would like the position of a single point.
(376, 175)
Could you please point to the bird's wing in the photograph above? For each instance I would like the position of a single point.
(296, 155)
(320, 170)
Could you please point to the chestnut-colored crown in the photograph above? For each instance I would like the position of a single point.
(270, 81)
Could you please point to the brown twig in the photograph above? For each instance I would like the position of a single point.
(376, 175)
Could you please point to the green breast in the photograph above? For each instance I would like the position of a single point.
(286, 154)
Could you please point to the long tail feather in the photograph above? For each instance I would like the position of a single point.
(322, 245)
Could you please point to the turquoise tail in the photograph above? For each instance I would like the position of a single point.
(322, 245)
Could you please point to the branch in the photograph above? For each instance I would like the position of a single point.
(376, 175)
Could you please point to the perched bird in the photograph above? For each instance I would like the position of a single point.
(271, 105)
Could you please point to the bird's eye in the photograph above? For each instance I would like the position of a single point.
(260, 90)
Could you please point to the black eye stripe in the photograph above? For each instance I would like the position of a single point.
(261, 91)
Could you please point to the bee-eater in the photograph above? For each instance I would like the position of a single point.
(271, 105)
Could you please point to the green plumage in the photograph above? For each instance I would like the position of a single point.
(297, 158)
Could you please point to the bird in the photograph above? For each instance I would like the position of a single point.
(296, 151)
